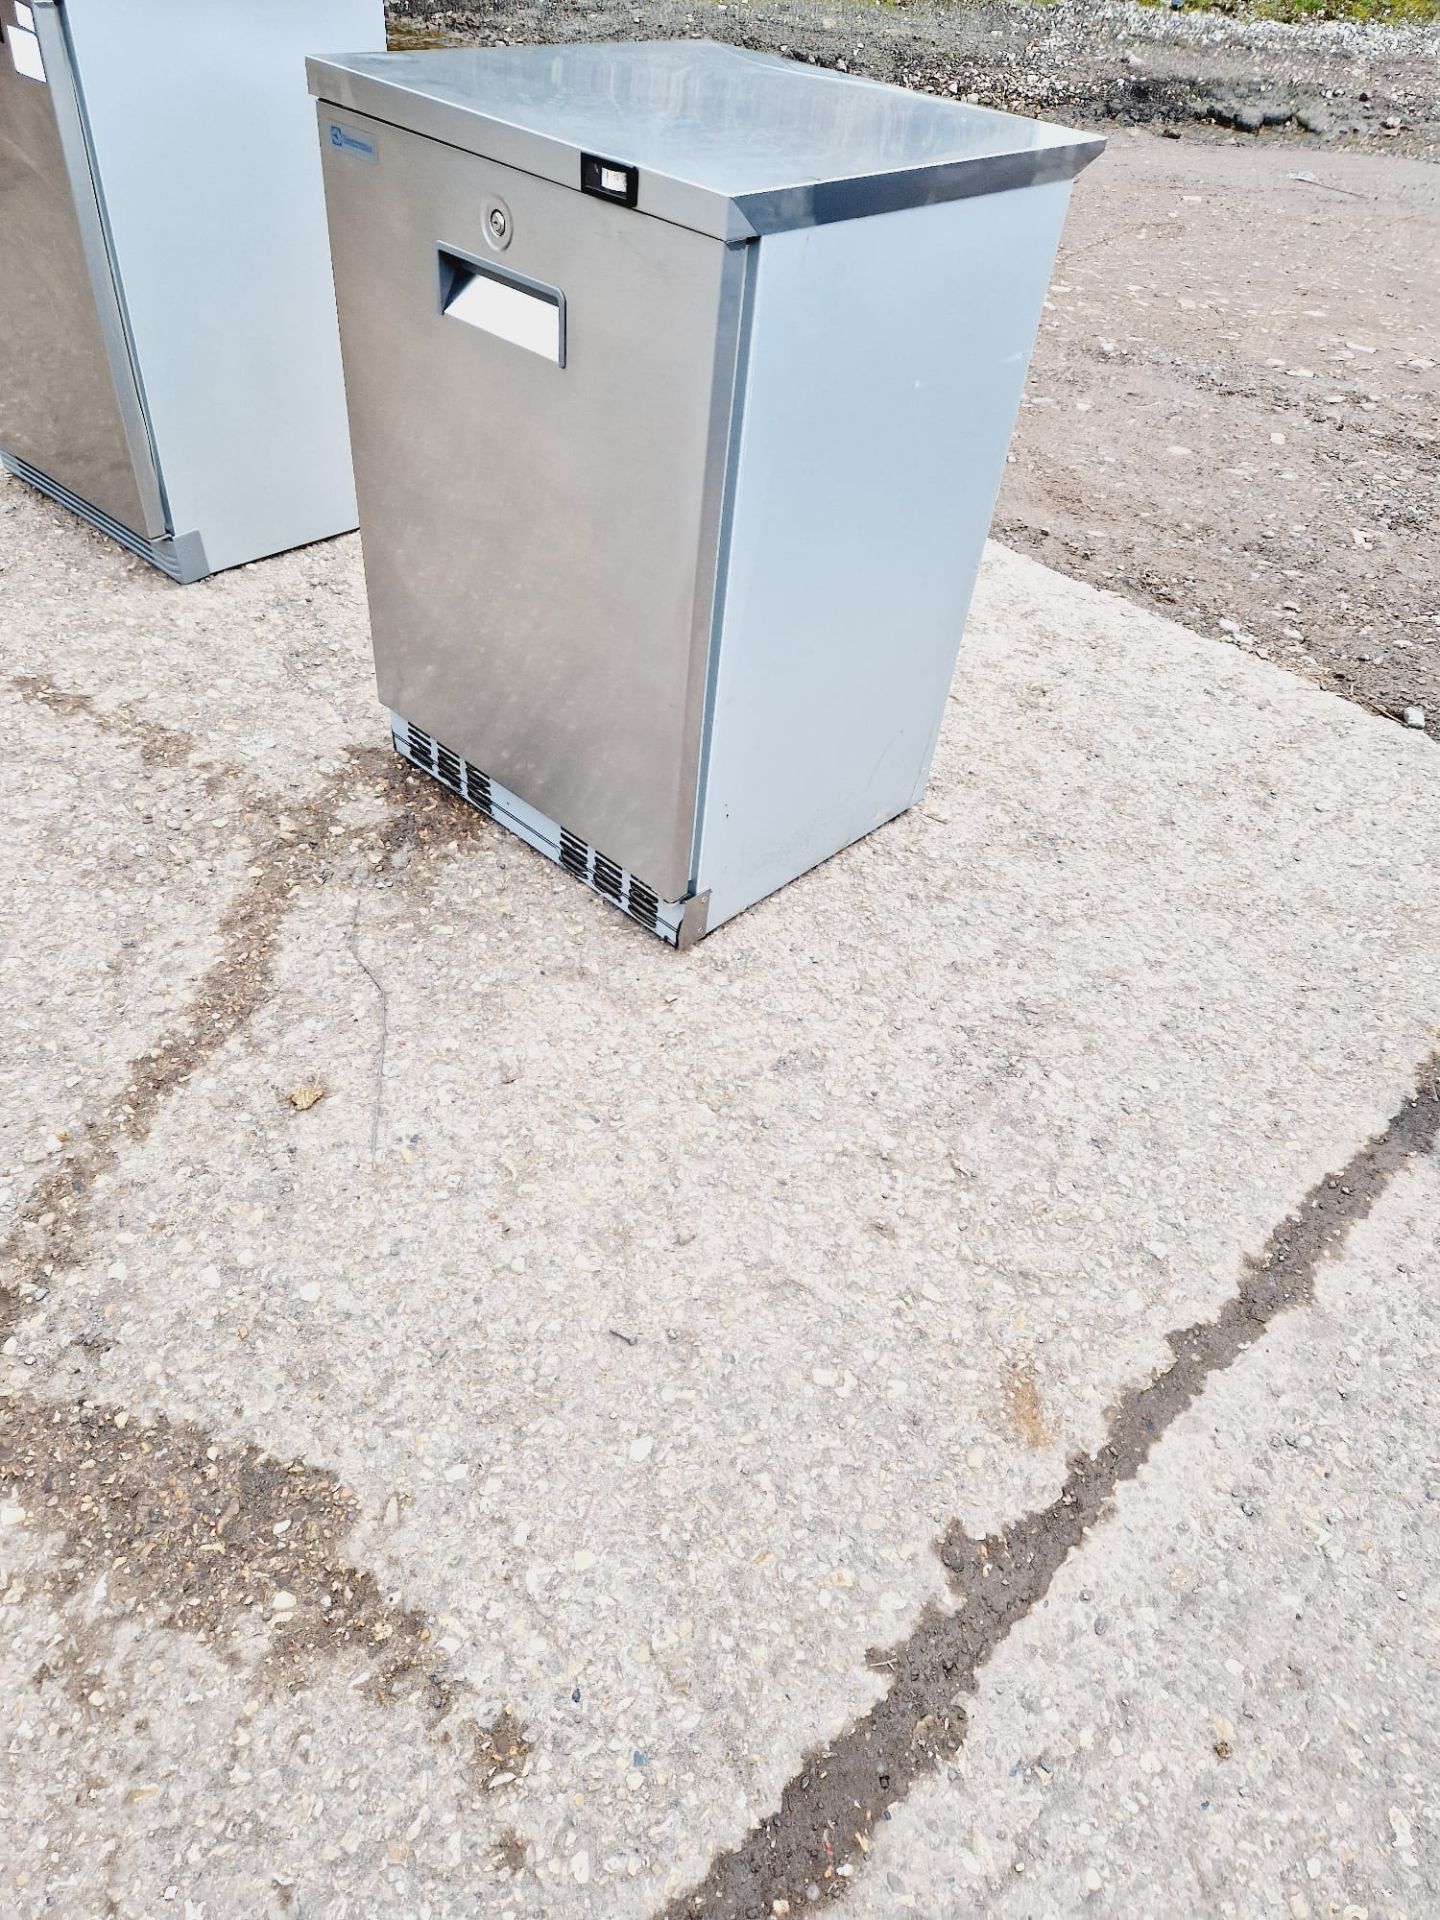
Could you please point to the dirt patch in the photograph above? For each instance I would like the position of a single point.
(1024, 1409)
(499, 1752)
(210, 1540)
(1228, 422)
(509, 1853)
(158, 746)
(818, 1838)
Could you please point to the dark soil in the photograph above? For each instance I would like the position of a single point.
(1233, 414)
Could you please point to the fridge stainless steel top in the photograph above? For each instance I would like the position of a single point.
(169, 366)
(680, 381)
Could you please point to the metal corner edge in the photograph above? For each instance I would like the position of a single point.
(694, 921)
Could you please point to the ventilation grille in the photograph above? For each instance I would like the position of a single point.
(643, 904)
(160, 553)
(477, 790)
(596, 869)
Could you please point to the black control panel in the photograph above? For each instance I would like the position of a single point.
(609, 179)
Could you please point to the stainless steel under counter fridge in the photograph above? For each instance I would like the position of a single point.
(169, 364)
(680, 383)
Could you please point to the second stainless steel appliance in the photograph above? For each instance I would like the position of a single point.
(169, 366)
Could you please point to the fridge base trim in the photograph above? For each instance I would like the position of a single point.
(180, 555)
(678, 923)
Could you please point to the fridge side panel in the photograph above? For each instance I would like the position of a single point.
(202, 121)
(886, 361)
(69, 410)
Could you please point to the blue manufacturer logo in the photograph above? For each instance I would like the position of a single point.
(348, 141)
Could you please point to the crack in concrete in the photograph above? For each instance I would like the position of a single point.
(52, 1232)
(382, 1038)
(817, 1839)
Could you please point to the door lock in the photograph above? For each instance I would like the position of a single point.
(498, 224)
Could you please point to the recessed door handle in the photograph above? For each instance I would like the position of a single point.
(524, 312)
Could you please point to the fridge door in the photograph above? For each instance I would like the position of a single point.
(539, 383)
(69, 404)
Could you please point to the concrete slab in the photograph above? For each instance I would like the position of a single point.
(474, 1489)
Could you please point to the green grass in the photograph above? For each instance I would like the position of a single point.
(401, 37)
(1379, 12)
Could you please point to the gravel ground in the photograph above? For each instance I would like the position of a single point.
(1227, 422)
(1352, 84)
(1227, 418)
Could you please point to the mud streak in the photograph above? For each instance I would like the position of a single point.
(52, 1232)
(821, 1832)
(181, 1525)
(158, 746)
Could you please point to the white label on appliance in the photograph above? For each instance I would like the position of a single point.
(24, 17)
(524, 319)
(25, 52)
